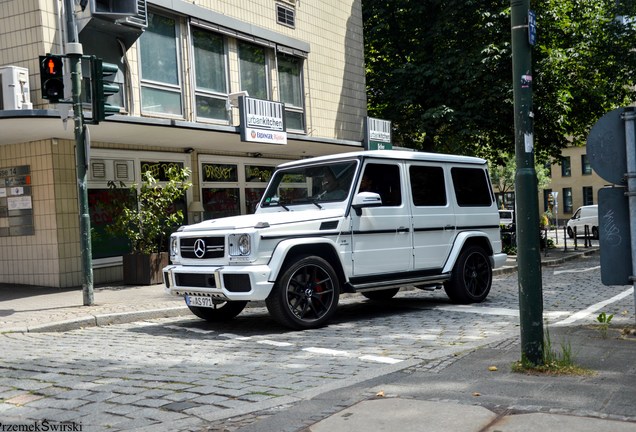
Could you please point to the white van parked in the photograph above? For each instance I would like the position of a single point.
(586, 215)
(366, 222)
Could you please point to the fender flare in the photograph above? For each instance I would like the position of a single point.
(282, 250)
(458, 245)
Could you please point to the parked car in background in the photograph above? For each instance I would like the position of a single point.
(585, 215)
(367, 222)
(506, 218)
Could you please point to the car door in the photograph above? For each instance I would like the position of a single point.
(434, 225)
(381, 236)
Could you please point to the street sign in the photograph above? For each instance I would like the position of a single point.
(606, 147)
(532, 28)
(614, 236)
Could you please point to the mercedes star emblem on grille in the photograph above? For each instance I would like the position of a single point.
(199, 248)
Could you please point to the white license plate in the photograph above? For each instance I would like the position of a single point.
(200, 301)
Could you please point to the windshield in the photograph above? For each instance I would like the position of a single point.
(313, 184)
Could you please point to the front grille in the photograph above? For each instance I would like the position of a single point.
(203, 247)
(196, 280)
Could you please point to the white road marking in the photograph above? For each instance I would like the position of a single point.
(558, 272)
(234, 336)
(380, 359)
(274, 343)
(479, 310)
(594, 308)
(327, 351)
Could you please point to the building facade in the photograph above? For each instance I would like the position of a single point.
(183, 68)
(575, 182)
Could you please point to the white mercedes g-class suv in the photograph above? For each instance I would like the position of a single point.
(368, 222)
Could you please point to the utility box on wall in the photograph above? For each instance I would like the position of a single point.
(14, 88)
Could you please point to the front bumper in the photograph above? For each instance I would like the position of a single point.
(498, 260)
(225, 283)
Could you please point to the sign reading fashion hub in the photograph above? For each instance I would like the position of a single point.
(262, 121)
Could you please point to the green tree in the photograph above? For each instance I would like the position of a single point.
(503, 174)
(441, 71)
(147, 219)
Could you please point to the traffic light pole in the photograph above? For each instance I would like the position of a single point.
(526, 191)
(82, 167)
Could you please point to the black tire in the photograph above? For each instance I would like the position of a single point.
(305, 294)
(595, 233)
(222, 310)
(381, 295)
(570, 232)
(471, 278)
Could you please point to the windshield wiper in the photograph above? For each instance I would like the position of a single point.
(280, 203)
(315, 202)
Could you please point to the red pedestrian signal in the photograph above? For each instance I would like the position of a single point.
(52, 77)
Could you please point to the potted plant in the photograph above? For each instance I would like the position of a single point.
(146, 219)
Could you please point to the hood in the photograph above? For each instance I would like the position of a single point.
(263, 220)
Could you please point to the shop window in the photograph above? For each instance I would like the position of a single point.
(160, 73)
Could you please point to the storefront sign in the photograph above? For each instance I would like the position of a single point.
(378, 134)
(262, 121)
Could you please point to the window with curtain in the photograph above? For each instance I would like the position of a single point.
(567, 200)
(586, 168)
(253, 70)
(566, 167)
(160, 77)
(291, 91)
(211, 74)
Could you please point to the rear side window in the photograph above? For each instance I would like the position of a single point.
(427, 186)
(472, 188)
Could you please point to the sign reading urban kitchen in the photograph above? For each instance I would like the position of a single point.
(16, 205)
(262, 121)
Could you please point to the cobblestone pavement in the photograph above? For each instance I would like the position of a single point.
(185, 374)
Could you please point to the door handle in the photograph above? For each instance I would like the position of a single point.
(403, 229)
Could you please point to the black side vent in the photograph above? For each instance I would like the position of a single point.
(285, 16)
(329, 225)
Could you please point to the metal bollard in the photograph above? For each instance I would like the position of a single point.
(576, 243)
(587, 237)
(565, 239)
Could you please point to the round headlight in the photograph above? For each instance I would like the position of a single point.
(244, 244)
(174, 244)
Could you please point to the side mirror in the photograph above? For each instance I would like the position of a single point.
(365, 199)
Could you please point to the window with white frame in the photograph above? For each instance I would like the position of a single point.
(253, 69)
(290, 83)
(210, 65)
(159, 66)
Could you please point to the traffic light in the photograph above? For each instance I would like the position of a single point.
(101, 90)
(52, 77)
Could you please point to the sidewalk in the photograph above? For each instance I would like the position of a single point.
(42, 309)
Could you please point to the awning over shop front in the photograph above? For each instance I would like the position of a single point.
(18, 126)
